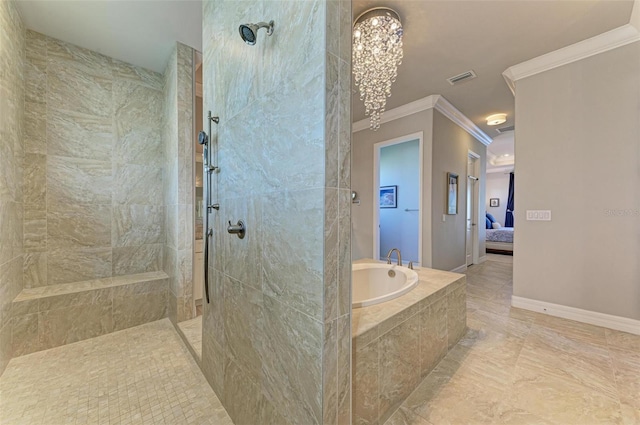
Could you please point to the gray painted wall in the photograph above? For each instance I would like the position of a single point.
(578, 153)
(362, 180)
(451, 145)
(445, 148)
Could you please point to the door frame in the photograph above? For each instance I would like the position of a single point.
(376, 187)
(475, 211)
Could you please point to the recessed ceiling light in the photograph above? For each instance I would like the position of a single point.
(506, 154)
(496, 119)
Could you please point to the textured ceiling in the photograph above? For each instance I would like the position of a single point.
(141, 32)
(446, 38)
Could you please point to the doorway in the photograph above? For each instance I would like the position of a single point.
(472, 219)
(398, 198)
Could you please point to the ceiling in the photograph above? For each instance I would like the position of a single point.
(446, 38)
(141, 32)
(442, 39)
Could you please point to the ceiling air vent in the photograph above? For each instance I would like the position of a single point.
(465, 76)
(505, 129)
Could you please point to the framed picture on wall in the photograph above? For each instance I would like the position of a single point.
(452, 193)
(388, 196)
(494, 202)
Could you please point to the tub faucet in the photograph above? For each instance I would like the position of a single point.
(391, 252)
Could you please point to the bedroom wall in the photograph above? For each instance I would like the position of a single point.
(497, 187)
(451, 145)
(362, 180)
(585, 170)
(400, 166)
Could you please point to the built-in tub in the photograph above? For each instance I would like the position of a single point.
(396, 343)
(375, 283)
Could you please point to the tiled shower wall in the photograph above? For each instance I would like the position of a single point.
(178, 143)
(277, 333)
(93, 202)
(11, 173)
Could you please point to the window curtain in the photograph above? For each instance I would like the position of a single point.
(508, 220)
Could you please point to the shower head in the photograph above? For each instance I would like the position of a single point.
(249, 32)
(203, 139)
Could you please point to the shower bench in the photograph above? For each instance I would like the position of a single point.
(50, 316)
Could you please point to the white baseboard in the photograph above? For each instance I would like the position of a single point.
(585, 316)
(482, 259)
(459, 269)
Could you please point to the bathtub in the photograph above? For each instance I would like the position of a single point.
(374, 283)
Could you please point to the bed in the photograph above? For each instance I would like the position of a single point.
(500, 240)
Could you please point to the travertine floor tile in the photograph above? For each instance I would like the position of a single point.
(519, 367)
(142, 375)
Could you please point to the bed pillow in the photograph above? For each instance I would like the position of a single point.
(491, 218)
(488, 225)
(496, 225)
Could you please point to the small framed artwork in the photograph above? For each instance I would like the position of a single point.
(452, 193)
(494, 202)
(388, 196)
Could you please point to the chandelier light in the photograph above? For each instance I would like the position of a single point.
(377, 52)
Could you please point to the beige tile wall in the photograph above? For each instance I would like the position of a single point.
(93, 176)
(45, 320)
(277, 333)
(12, 85)
(390, 366)
(178, 142)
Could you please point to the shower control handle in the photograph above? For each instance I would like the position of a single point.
(237, 229)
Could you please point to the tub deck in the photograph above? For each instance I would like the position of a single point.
(397, 343)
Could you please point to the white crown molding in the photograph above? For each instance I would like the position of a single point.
(502, 169)
(399, 112)
(437, 102)
(601, 43)
(585, 316)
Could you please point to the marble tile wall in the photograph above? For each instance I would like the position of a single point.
(12, 133)
(277, 332)
(387, 368)
(93, 176)
(178, 141)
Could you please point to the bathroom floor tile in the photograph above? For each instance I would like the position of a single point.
(518, 367)
(141, 375)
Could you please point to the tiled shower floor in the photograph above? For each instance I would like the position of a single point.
(142, 375)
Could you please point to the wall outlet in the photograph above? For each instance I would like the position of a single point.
(444, 218)
(538, 215)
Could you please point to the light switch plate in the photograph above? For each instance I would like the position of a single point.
(538, 215)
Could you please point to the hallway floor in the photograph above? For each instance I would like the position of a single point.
(519, 367)
(142, 375)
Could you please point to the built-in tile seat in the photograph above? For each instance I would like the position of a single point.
(54, 315)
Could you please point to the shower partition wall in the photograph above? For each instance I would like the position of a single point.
(178, 181)
(277, 334)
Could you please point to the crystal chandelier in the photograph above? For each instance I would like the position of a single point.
(377, 52)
